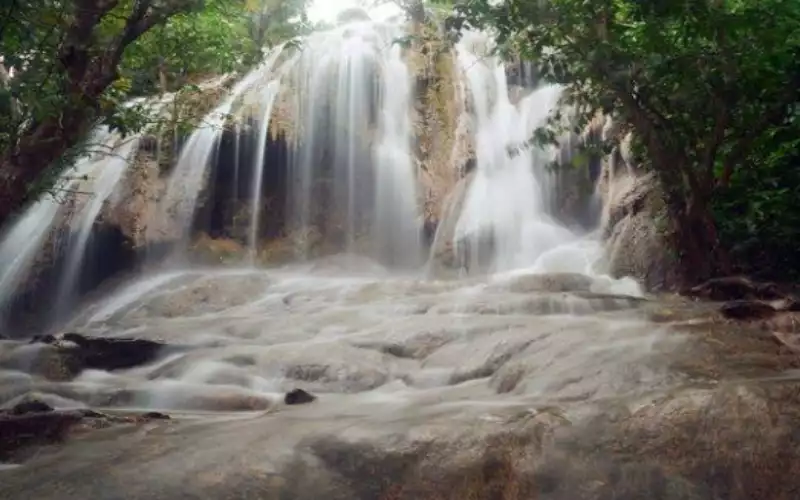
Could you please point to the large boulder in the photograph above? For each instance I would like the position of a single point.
(634, 226)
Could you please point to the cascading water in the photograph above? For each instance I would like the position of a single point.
(343, 104)
(96, 174)
(179, 202)
(348, 94)
(505, 212)
(89, 184)
(106, 173)
(356, 138)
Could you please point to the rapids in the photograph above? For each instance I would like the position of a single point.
(346, 326)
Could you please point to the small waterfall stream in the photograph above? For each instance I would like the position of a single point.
(506, 202)
(189, 175)
(96, 174)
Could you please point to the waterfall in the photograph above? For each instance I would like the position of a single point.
(356, 131)
(95, 174)
(86, 187)
(505, 210)
(318, 143)
(187, 179)
(351, 175)
(106, 174)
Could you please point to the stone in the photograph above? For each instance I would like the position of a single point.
(31, 406)
(552, 282)
(735, 288)
(108, 354)
(154, 415)
(20, 431)
(634, 229)
(25, 428)
(43, 339)
(298, 397)
(444, 262)
(747, 310)
(64, 357)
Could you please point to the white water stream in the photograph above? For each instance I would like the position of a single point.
(93, 177)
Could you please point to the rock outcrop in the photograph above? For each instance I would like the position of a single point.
(64, 357)
(444, 261)
(634, 227)
(32, 424)
(298, 397)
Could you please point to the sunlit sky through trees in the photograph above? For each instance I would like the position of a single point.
(327, 10)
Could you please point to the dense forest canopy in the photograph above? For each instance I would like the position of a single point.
(708, 87)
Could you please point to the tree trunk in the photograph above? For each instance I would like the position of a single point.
(40, 148)
(700, 257)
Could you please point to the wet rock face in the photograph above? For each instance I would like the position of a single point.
(111, 354)
(33, 423)
(31, 406)
(636, 243)
(448, 256)
(697, 438)
(747, 310)
(110, 253)
(687, 446)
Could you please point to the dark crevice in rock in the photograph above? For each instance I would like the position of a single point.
(298, 397)
(65, 356)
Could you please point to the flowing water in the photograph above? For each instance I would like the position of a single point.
(352, 106)
(346, 326)
(507, 200)
(179, 202)
(351, 326)
(395, 362)
(347, 94)
(93, 177)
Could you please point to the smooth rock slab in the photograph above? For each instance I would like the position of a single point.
(687, 446)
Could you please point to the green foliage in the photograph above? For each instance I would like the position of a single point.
(758, 213)
(68, 64)
(214, 40)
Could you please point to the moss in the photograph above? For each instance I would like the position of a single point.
(436, 116)
(218, 250)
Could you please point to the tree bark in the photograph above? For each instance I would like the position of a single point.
(36, 151)
(700, 256)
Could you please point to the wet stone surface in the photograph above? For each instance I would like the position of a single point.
(420, 390)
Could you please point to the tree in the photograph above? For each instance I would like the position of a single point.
(75, 62)
(700, 82)
(74, 50)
